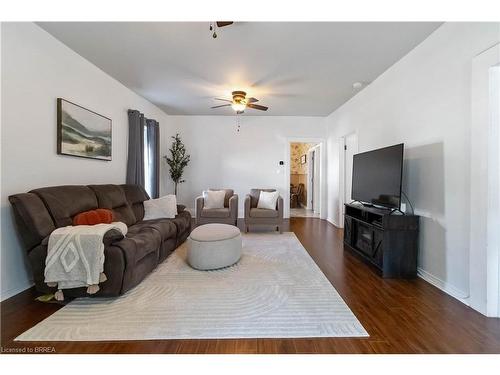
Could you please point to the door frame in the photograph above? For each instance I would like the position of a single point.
(316, 150)
(342, 143)
(484, 239)
(310, 176)
(322, 187)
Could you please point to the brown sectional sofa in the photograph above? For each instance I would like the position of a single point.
(128, 260)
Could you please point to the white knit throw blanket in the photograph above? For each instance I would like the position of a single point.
(75, 256)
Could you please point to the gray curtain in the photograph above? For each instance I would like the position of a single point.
(135, 161)
(153, 145)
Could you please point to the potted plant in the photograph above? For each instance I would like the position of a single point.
(177, 161)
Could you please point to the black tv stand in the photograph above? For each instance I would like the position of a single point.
(388, 242)
(367, 204)
(371, 205)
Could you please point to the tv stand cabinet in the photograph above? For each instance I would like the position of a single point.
(387, 240)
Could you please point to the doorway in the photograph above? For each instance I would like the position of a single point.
(305, 164)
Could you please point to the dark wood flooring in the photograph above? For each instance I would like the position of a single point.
(401, 316)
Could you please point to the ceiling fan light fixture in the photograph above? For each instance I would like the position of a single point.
(238, 107)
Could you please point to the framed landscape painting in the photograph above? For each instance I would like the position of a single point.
(81, 132)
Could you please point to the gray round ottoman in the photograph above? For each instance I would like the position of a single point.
(213, 246)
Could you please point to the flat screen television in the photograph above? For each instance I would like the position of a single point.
(377, 176)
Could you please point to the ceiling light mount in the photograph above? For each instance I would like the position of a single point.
(357, 85)
(360, 85)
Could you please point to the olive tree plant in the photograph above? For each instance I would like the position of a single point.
(177, 161)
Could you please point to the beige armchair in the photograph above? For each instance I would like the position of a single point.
(259, 216)
(226, 215)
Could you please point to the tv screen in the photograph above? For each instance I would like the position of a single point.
(377, 175)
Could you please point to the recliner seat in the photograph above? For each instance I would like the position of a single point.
(128, 260)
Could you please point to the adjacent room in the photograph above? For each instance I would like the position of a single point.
(199, 187)
(304, 179)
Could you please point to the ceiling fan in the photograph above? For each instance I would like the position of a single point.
(218, 24)
(240, 102)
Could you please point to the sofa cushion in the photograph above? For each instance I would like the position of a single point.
(160, 208)
(33, 220)
(254, 196)
(183, 224)
(165, 227)
(135, 195)
(262, 212)
(139, 243)
(268, 200)
(113, 197)
(93, 217)
(214, 198)
(64, 202)
(215, 212)
(228, 194)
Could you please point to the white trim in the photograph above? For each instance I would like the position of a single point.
(310, 176)
(317, 152)
(331, 221)
(444, 286)
(484, 241)
(6, 294)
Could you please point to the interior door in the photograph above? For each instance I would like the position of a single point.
(317, 182)
(312, 183)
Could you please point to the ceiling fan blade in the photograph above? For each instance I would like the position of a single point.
(252, 100)
(224, 100)
(224, 23)
(256, 106)
(223, 105)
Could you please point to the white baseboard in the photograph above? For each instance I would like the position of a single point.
(444, 286)
(6, 294)
(331, 221)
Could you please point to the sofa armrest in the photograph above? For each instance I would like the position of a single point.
(200, 203)
(112, 236)
(248, 200)
(233, 206)
(281, 206)
(109, 237)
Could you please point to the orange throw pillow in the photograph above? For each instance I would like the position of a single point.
(93, 217)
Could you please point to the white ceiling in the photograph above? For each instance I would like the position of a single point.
(295, 68)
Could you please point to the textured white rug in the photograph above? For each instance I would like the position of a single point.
(275, 291)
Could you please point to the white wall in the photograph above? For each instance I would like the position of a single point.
(424, 100)
(36, 69)
(222, 157)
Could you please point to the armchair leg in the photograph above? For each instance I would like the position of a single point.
(246, 228)
(279, 229)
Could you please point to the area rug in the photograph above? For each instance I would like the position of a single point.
(275, 291)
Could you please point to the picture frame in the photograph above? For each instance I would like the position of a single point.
(303, 159)
(82, 132)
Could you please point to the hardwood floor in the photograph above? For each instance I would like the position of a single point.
(401, 316)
